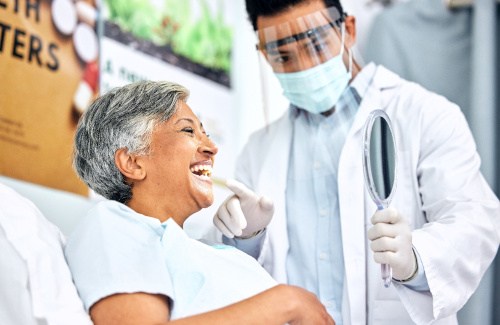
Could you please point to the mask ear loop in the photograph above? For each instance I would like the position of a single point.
(349, 52)
(342, 37)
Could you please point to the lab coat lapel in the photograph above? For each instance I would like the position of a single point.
(272, 183)
(352, 200)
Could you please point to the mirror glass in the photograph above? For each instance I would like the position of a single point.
(379, 158)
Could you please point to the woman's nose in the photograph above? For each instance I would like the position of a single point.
(208, 146)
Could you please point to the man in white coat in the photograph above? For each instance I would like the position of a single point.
(442, 230)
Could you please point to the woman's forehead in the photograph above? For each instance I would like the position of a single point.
(183, 111)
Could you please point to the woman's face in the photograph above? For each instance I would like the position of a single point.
(179, 166)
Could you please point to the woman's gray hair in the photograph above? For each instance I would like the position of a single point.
(124, 117)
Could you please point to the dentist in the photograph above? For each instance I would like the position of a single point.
(312, 224)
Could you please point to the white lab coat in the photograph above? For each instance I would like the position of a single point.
(454, 214)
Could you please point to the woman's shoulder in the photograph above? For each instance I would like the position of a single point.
(111, 225)
(114, 250)
(113, 216)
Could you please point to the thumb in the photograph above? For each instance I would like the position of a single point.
(239, 189)
(266, 203)
(388, 215)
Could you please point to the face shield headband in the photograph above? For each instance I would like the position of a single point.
(304, 42)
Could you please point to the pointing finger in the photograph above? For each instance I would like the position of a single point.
(239, 188)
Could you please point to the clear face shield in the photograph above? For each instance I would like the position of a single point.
(303, 43)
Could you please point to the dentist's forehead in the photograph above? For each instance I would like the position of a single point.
(303, 22)
(290, 15)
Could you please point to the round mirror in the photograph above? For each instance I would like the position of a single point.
(379, 166)
(379, 158)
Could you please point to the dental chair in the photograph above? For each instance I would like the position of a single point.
(36, 287)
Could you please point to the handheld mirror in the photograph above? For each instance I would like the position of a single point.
(379, 166)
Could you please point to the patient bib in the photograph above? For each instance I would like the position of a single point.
(116, 250)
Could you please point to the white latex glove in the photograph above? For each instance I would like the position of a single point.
(243, 213)
(391, 244)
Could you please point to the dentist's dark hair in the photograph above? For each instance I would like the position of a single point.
(256, 8)
(124, 117)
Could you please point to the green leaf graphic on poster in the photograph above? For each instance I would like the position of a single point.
(171, 26)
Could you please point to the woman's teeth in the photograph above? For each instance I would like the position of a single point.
(202, 170)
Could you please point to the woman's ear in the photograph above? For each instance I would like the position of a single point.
(350, 28)
(129, 165)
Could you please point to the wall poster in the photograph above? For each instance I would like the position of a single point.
(49, 69)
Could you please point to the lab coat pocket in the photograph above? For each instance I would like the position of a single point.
(390, 312)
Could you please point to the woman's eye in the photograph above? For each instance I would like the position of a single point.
(188, 130)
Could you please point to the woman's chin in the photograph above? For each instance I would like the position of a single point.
(209, 200)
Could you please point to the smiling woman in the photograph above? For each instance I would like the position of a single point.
(179, 150)
(142, 148)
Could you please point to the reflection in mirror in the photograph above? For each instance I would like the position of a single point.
(379, 166)
(382, 159)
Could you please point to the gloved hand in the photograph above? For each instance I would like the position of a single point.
(391, 243)
(243, 213)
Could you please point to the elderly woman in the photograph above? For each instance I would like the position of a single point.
(142, 148)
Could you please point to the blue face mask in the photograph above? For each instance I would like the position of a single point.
(319, 88)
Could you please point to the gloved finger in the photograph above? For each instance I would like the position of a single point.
(383, 230)
(385, 244)
(384, 257)
(266, 203)
(236, 220)
(226, 215)
(389, 215)
(222, 227)
(239, 189)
